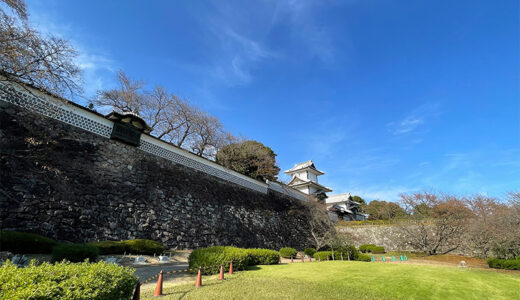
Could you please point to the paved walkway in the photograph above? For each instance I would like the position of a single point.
(144, 272)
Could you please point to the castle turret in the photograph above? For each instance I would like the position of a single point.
(305, 178)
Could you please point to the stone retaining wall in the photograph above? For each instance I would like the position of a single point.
(71, 184)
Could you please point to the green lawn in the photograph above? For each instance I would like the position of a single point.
(352, 280)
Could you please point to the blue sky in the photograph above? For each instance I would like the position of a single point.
(385, 96)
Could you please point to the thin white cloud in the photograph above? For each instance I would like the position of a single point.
(241, 33)
(316, 39)
(414, 120)
(97, 67)
(240, 56)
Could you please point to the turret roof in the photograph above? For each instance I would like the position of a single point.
(304, 165)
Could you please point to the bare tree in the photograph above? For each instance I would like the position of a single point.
(322, 229)
(437, 222)
(18, 6)
(494, 229)
(128, 97)
(26, 56)
(171, 118)
(342, 245)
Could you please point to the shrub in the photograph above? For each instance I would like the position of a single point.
(66, 281)
(141, 246)
(371, 248)
(263, 256)
(109, 247)
(377, 250)
(364, 257)
(25, 243)
(322, 255)
(347, 251)
(288, 252)
(309, 251)
(211, 258)
(365, 248)
(508, 264)
(74, 252)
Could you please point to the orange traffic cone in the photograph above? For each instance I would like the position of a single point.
(158, 287)
(221, 275)
(231, 268)
(291, 260)
(198, 282)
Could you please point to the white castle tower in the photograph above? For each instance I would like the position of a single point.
(305, 178)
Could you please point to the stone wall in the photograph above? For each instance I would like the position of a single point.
(387, 236)
(70, 184)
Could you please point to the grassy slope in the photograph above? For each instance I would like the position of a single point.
(352, 280)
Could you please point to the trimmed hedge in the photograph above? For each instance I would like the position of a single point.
(371, 248)
(364, 257)
(66, 281)
(508, 264)
(377, 250)
(138, 246)
(74, 252)
(25, 243)
(263, 256)
(109, 247)
(211, 258)
(365, 248)
(288, 252)
(322, 255)
(142, 246)
(309, 251)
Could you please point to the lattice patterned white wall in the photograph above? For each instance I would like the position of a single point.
(176, 155)
(52, 107)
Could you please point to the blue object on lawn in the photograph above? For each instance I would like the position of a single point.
(405, 258)
(401, 258)
(373, 258)
(393, 258)
(383, 259)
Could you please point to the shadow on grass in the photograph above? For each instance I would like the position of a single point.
(258, 268)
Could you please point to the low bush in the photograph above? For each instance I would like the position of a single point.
(377, 250)
(211, 258)
(363, 257)
(371, 248)
(74, 252)
(288, 252)
(141, 246)
(25, 243)
(309, 251)
(66, 281)
(263, 256)
(349, 253)
(109, 247)
(322, 255)
(508, 264)
(365, 248)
